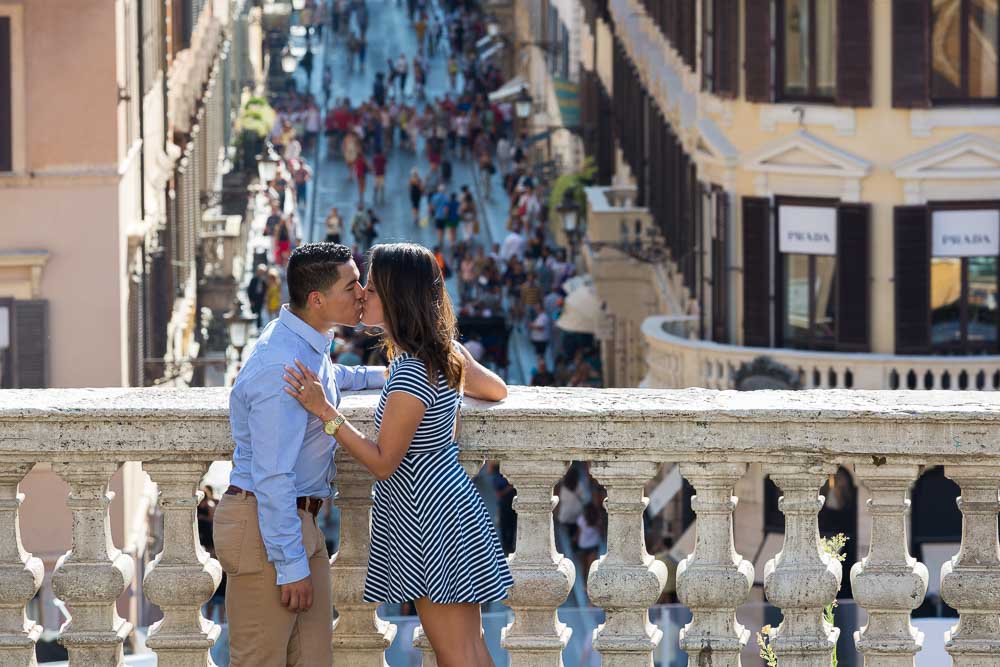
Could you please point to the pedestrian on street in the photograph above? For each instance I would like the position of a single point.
(361, 169)
(420, 29)
(334, 226)
(273, 294)
(416, 194)
(452, 71)
(454, 218)
(256, 291)
(470, 220)
(378, 89)
(361, 228)
(351, 148)
(378, 166)
(282, 242)
(402, 71)
(437, 206)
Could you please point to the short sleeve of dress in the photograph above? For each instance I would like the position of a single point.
(409, 375)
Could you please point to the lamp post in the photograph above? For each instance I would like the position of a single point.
(239, 330)
(267, 168)
(569, 212)
(288, 61)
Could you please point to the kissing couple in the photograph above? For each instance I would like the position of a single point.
(432, 540)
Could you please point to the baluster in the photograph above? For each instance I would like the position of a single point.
(360, 637)
(542, 576)
(970, 582)
(90, 577)
(802, 579)
(20, 575)
(714, 580)
(888, 583)
(423, 645)
(183, 577)
(627, 580)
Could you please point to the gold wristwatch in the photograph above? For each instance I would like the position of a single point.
(331, 427)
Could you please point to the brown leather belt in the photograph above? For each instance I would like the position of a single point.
(307, 503)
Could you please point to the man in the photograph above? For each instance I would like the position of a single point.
(256, 291)
(278, 599)
(361, 228)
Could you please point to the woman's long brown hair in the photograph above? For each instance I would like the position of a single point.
(418, 315)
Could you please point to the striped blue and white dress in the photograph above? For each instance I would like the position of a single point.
(431, 534)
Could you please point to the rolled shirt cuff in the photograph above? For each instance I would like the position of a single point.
(291, 571)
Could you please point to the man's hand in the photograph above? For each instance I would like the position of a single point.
(298, 595)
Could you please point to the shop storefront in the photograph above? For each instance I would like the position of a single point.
(947, 279)
(806, 274)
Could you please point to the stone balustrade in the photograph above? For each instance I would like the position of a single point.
(798, 438)
(677, 361)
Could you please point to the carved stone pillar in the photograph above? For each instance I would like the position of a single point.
(90, 577)
(360, 637)
(970, 582)
(802, 579)
(714, 580)
(183, 577)
(627, 579)
(542, 576)
(20, 575)
(423, 644)
(888, 583)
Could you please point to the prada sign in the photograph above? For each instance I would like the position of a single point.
(965, 233)
(807, 230)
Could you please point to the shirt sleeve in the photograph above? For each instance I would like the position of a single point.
(277, 430)
(357, 378)
(410, 377)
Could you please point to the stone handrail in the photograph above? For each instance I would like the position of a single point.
(676, 362)
(799, 438)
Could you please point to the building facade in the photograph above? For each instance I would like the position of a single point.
(110, 163)
(825, 176)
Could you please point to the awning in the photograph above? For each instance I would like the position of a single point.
(509, 89)
(568, 97)
(582, 308)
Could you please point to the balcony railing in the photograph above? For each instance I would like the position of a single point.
(799, 438)
(676, 361)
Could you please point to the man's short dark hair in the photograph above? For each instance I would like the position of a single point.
(314, 267)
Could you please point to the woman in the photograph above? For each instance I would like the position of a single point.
(272, 296)
(334, 226)
(432, 541)
(416, 194)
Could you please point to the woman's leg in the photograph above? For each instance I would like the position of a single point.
(455, 632)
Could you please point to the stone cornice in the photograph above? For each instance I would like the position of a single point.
(586, 424)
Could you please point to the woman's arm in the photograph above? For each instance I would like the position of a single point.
(402, 415)
(481, 382)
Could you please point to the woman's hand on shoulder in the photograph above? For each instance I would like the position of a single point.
(481, 382)
(305, 386)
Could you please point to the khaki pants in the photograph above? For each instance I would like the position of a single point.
(262, 632)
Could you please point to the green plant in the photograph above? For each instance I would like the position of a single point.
(833, 547)
(574, 182)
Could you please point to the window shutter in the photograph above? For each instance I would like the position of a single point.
(853, 262)
(912, 279)
(30, 334)
(756, 272)
(911, 53)
(854, 53)
(6, 94)
(727, 36)
(757, 58)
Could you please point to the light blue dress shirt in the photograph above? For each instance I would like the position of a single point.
(281, 450)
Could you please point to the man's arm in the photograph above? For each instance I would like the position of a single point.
(277, 429)
(358, 378)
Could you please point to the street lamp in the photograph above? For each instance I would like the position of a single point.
(493, 28)
(569, 211)
(239, 330)
(523, 104)
(267, 168)
(288, 61)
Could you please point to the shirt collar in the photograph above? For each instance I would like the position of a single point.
(318, 341)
